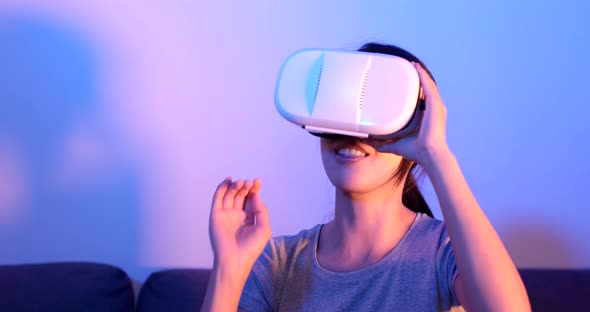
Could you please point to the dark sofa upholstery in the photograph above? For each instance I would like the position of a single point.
(64, 287)
(76, 286)
(557, 289)
(549, 290)
(174, 290)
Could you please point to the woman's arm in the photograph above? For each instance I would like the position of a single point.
(239, 229)
(488, 279)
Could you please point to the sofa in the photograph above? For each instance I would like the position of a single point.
(84, 286)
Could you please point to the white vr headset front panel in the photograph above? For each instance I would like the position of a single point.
(344, 92)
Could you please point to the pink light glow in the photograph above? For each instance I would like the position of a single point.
(14, 194)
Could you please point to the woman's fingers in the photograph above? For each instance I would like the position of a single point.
(230, 194)
(217, 202)
(257, 185)
(259, 211)
(428, 85)
(433, 99)
(248, 209)
(255, 209)
(241, 195)
(249, 219)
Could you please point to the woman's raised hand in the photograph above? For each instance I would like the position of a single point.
(431, 137)
(239, 226)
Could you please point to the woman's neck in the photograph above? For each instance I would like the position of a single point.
(365, 228)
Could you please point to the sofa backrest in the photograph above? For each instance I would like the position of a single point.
(549, 290)
(65, 286)
(83, 286)
(176, 290)
(557, 289)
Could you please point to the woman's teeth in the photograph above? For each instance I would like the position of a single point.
(351, 152)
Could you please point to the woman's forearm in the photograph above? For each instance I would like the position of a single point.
(490, 279)
(224, 290)
(239, 229)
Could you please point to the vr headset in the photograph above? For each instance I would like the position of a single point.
(333, 93)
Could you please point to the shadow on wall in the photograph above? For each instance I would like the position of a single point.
(533, 243)
(65, 194)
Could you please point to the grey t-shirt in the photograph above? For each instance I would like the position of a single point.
(417, 275)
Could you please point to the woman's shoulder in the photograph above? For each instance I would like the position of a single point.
(296, 242)
(429, 224)
(282, 249)
(428, 228)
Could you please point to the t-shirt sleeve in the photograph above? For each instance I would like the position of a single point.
(259, 288)
(253, 298)
(447, 269)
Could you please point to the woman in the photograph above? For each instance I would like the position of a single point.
(383, 250)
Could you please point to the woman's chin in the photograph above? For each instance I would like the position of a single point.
(353, 186)
(357, 183)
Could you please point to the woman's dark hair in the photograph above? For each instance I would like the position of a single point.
(411, 196)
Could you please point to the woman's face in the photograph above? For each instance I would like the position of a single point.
(357, 167)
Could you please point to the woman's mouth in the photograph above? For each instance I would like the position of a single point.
(350, 153)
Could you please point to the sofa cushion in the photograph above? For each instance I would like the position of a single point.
(548, 290)
(65, 286)
(557, 289)
(174, 290)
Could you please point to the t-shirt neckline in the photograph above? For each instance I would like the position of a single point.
(392, 254)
